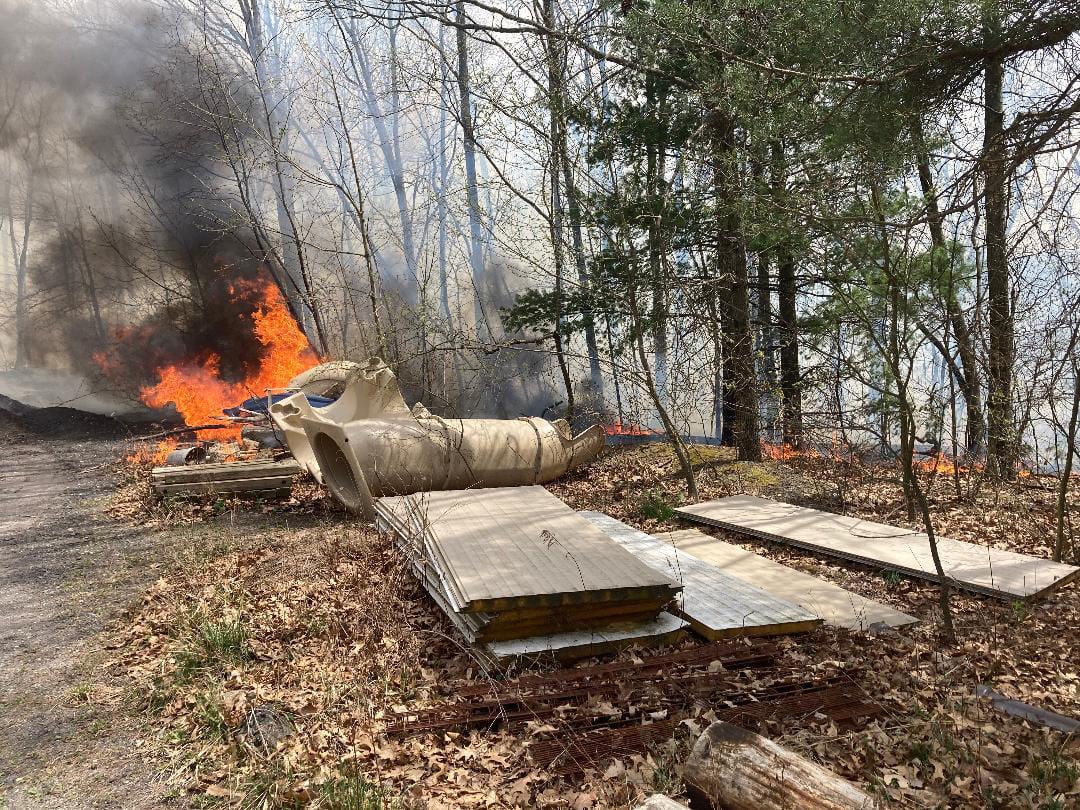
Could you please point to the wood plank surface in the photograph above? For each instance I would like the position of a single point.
(514, 547)
(229, 471)
(717, 603)
(664, 629)
(984, 570)
(838, 606)
(282, 483)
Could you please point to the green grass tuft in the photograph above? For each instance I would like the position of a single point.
(351, 791)
(657, 506)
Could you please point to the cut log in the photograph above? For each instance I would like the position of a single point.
(736, 769)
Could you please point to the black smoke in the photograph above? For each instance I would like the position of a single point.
(135, 259)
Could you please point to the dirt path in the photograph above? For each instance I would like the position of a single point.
(65, 570)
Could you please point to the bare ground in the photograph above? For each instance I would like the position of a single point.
(66, 570)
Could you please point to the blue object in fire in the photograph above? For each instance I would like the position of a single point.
(261, 404)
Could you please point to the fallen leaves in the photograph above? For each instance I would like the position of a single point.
(336, 635)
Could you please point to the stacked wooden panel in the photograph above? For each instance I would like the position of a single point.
(515, 563)
(716, 603)
(837, 606)
(273, 477)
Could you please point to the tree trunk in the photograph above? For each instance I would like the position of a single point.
(970, 383)
(573, 209)
(19, 254)
(913, 493)
(1002, 449)
(444, 183)
(389, 144)
(293, 259)
(740, 376)
(1066, 472)
(681, 452)
(736, 769)
(654, 173)
(787, 332)
(766, 347)
(554, 66)
(468, 136)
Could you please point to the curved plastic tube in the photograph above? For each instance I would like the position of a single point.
(368, 444)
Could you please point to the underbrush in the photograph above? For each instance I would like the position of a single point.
(268, 662)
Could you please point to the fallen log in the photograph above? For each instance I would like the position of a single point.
(736, 769)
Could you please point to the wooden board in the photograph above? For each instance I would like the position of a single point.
(984, 570)
(230, 471)
(837, 606)
(282, 483)
(716, 603)
(664, 629)
(513, 547)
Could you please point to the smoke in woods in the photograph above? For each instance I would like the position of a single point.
(113, 245)
(155, 154)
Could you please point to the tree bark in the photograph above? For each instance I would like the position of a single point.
(468, 135)
(19, 254)
(1002, 442)
(389, 144)
(573, 210)
(970, 382)
(736, 769)
(740, 377)
(913, 492)
(654, 174)
(1066, 472)
(554, 66)
(787, 332)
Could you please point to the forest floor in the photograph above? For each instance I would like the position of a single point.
(258, 667)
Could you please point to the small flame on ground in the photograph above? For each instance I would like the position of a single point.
(146, 453)
(620, 428)
(940, 463)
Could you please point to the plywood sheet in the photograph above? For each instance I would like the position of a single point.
(513, 547)
(664, 629)
(717, 603)
(838, 606)
(1002, 574)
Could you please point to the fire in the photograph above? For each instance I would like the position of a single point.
(620, 428)
(939, 463)
(148, 454)
(786, 452)
(195, 387)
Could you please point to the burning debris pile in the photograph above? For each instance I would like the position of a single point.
(216, 373)
(346, 424)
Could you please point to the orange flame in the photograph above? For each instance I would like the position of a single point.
(619, 428)
(198, 392)
(148, 454)
(786, 452)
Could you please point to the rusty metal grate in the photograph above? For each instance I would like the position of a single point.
(573, 753)
(541, 697)
(730, 654)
